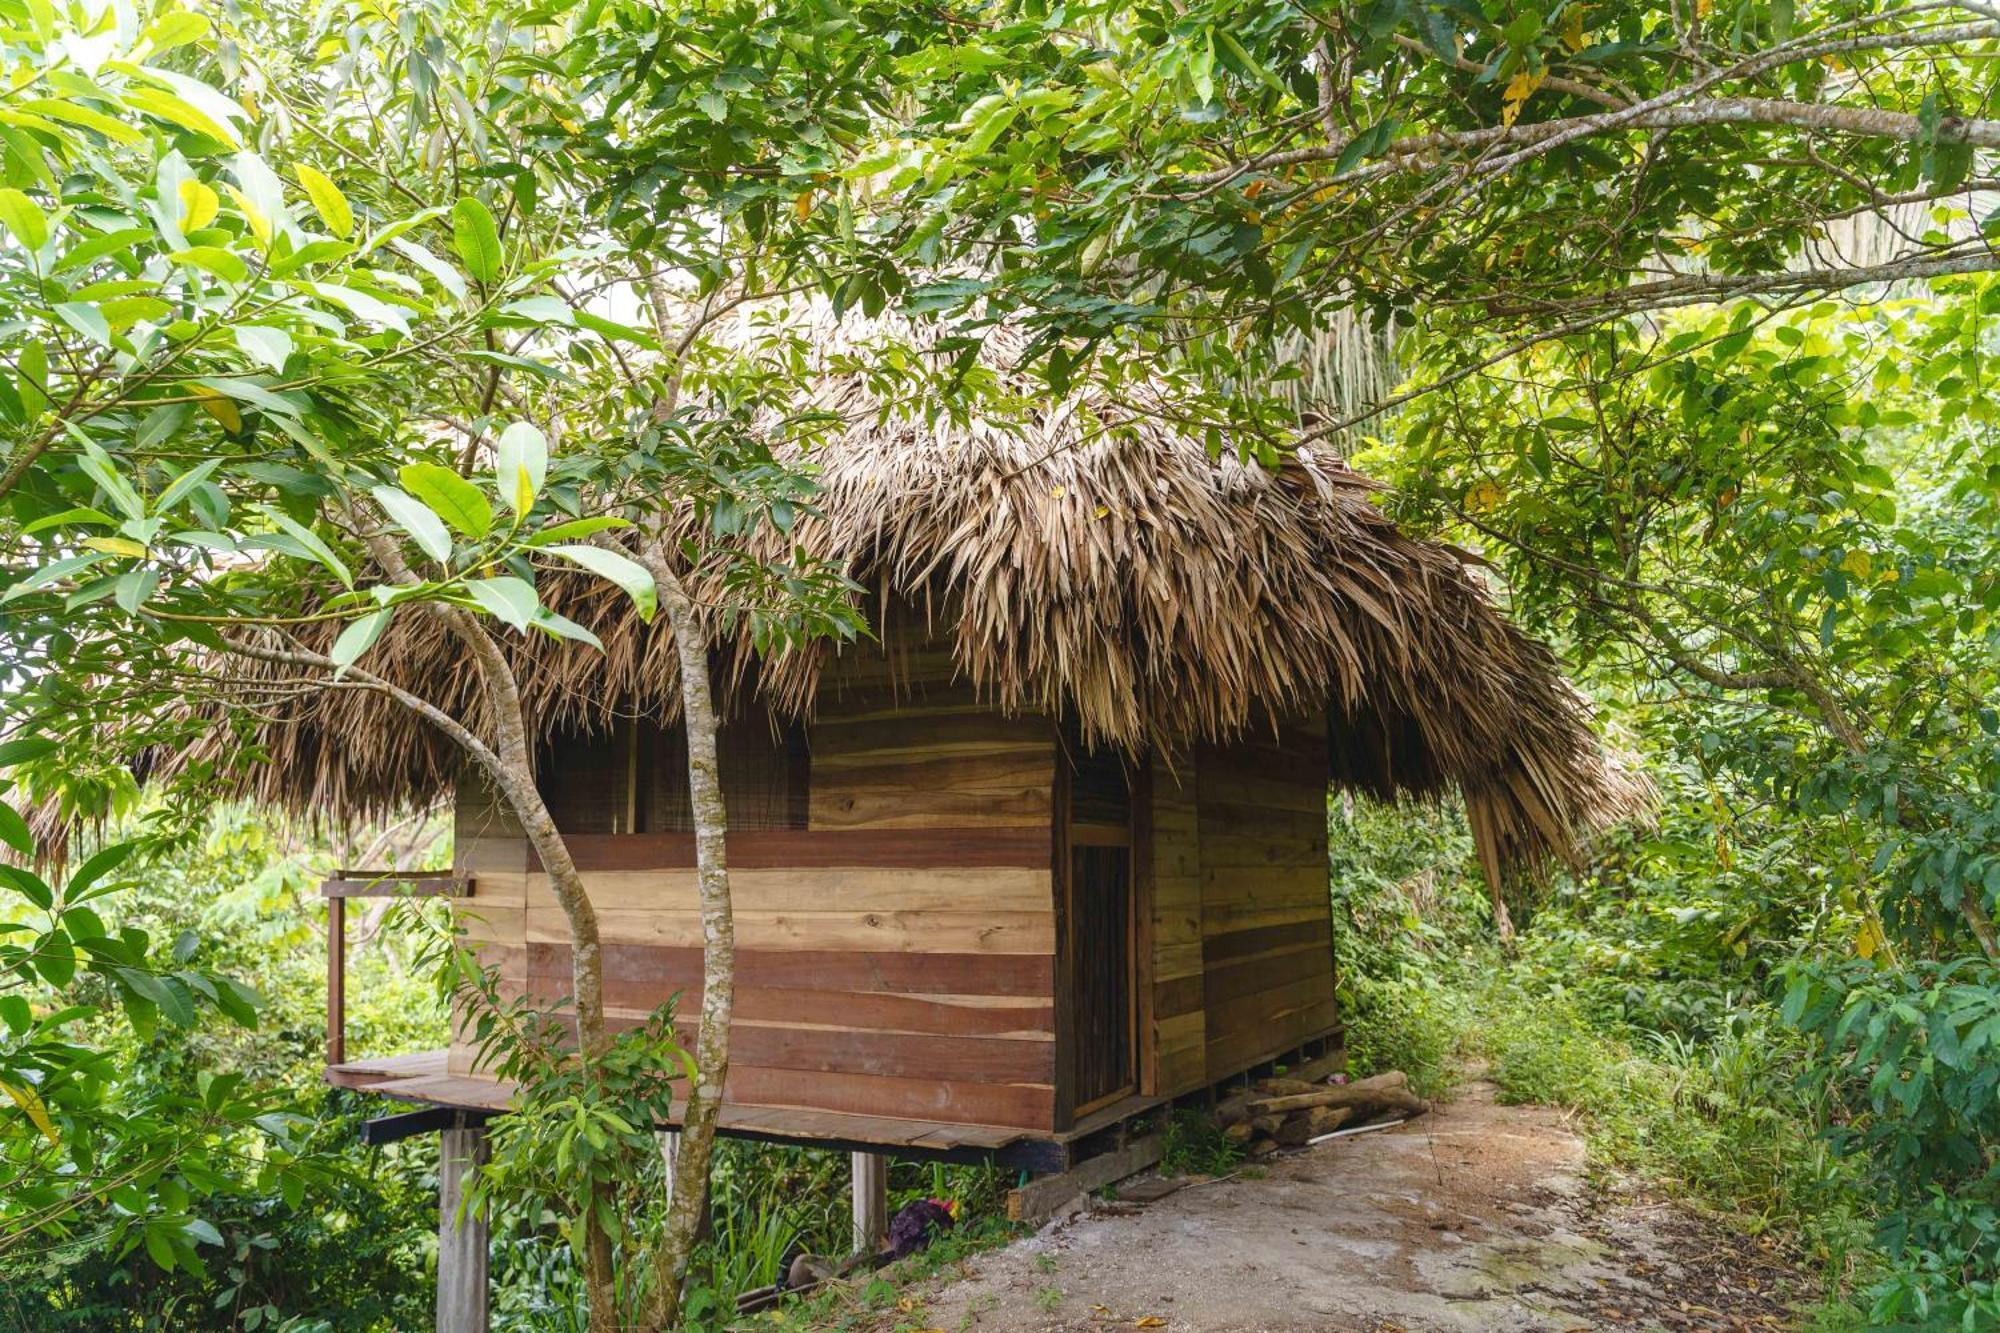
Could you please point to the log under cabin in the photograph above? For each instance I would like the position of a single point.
(1046, 849)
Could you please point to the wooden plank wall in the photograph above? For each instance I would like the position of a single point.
(1179, 1020)
(1266, 934)
(895, 957)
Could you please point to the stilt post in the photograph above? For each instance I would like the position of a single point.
(461, 1303)
(871, 1199)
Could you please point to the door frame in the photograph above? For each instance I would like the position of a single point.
(1136, 837)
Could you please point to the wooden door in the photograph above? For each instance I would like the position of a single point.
(1101, 973)
(1100, 929)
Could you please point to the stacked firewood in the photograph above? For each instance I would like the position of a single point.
(1275, 1113)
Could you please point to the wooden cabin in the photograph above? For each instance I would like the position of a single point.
(1048, 847)
(943, 914)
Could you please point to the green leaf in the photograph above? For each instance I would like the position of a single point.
(24, 749)
(254, 394)
(224, 264)
(75, 113)
(97, 465)
(267, 346)
(476, 239)
(327, 200)
(86, 319)
(179, 488)
(416, 519)
(359, 637)
(310, 541)
(562, 627)
(622, 570)
(14, 830)
(24, 219)
(96, 868)
(507, 599)
(442, 273)
(165, 106)
(363, 306)
(450, 496)
(68, 518)
(521, 464)
(576, 527)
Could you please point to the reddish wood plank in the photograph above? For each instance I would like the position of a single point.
(860, 1010)
(804, 849)
(820, 969)
(1016, 1105)
(967, 1060)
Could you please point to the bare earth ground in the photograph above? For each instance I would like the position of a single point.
(1477, 1217)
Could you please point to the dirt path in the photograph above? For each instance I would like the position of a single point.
(1478, 1217)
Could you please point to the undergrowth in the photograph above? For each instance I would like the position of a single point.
(1196, 1146)
(1679, 1071)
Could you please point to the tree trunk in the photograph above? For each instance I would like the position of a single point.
(718, 930)
(510, 763)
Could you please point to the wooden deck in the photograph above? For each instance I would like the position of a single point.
(422, 1078)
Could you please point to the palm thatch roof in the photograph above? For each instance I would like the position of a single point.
(1083, 560)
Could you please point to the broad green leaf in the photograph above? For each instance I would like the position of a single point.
(176, 28)
(22, 749)
(476, 239)
(165, 106)
(86, 319)
(24, 219)
(506, 598)
(442, 273)
(416, 519)
(371, 308)
(116, 546)
(267, 346)
(576, 527)
(97, 247)
(14, 830)
(75, 113)
(178, 489)
(450, 496)
(254, 394)
(310, 541)
(96, 868)
(97, 465)
(359, 637)
(224, 264)
(327, 199)
(521, 464)
(562, 627)
(622, 570)
(68, 517)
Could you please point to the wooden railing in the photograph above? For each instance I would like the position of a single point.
(347, 884)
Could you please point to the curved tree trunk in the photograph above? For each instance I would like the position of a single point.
(718, 930)
(510, 763)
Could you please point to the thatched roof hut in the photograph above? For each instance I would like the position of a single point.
(1088, 564)
(1057, 836)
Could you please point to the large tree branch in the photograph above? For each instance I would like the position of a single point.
(1684, 106)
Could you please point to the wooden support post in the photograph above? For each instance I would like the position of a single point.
(670, 1154)
(336, 980)
(871, 1199)
(461, 1301)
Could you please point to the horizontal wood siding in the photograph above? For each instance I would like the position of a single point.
(1266, 943)
(895, 957)
(1179, 1022)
